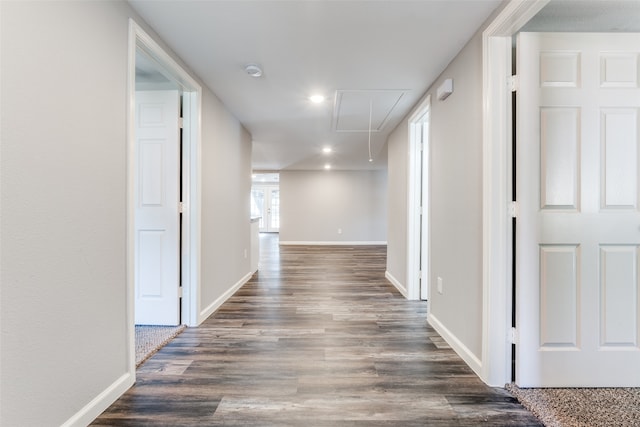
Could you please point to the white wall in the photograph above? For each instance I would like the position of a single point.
(63, 174)
(226, 183)
(455, 203)
(315, 204)
(398, 163)
(63, 208)
(456, 199)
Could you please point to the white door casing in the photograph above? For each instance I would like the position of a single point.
(578, 227)
(424, 206)
(157, 225)
(497, 266)
(417, 283)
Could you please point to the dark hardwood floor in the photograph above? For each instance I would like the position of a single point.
(318, 337)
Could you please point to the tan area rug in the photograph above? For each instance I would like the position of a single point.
(581, 407)
(150, 339)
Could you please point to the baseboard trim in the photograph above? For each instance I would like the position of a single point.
(101, 402)
(399, 286)
(211, 308)
(470, 359)
(333, 243)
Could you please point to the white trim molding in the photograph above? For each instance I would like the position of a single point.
(332, 243)
(395, 282)
(211, 308)
(496, 228)
(462, 350)
(97, 406)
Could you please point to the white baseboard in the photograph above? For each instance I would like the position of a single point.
(220, 300)
(333, 243)
(397, 284)
(474, 363)
(97, 406)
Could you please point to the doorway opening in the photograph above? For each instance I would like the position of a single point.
(265, 201)
(163, 180)
(497, 167)
(418, 221)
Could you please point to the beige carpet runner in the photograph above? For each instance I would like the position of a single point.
(150, 339)
(581, 407)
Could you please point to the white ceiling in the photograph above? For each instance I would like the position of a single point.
(587, 16)
(381, 55)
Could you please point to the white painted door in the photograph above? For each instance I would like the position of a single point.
(157, 224)
(578, 228)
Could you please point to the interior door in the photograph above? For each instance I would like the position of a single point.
(157, 224)
(578, 227)
(265, 203)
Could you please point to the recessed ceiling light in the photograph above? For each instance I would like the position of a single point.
(327, 150)
(253, 70)
(327, 166)
(316, 99)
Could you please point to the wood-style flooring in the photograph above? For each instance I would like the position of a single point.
(318, 337)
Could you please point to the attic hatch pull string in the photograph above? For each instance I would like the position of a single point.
(370, 111)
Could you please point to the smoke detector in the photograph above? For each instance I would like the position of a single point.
(253, 70)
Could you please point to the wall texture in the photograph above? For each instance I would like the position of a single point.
(63, 198)
(315, 204)
(455, 205)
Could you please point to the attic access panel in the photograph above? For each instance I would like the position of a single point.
(351, 109)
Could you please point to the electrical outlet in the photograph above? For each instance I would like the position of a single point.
(440, 285)
(339, 230)
(245, 254)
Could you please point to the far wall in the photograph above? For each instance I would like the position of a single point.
(314, 205)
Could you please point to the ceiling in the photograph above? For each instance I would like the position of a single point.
(149, 75)
(372, 60)
(587, 16)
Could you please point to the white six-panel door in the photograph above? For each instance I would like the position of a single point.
(157, 232)
(578, 232)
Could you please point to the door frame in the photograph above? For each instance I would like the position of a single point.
(497, 185)
(191, 180)
(415, 239)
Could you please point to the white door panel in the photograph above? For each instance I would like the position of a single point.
(157, 236)
(578, 228)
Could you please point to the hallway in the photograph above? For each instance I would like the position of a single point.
(317, 337)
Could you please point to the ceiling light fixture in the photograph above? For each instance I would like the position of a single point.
(327, 150)
(253, 70)
(327, 166)
(316, 99)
